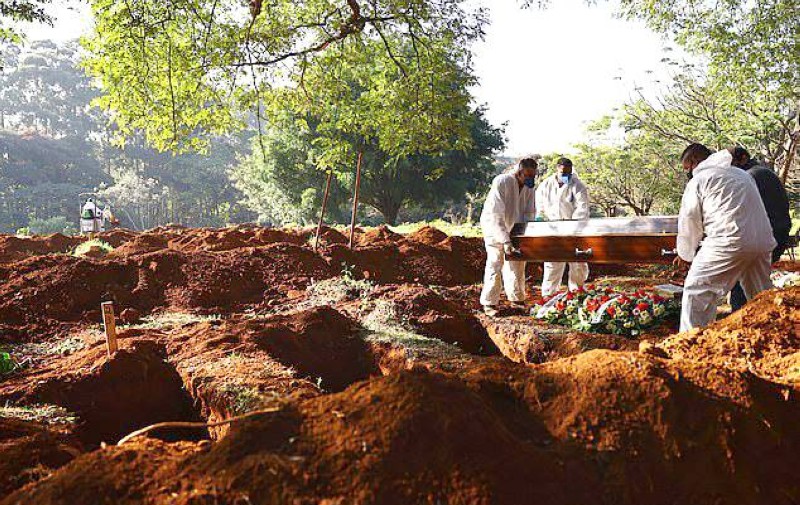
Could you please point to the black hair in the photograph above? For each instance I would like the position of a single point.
(564, 162)
(695, 153)
(740, 152)
(529, 163)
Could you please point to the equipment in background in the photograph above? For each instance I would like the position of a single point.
(649, 239)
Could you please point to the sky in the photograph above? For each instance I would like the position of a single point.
(545, 73)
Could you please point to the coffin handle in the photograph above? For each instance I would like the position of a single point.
(669, 252)
(581, 253)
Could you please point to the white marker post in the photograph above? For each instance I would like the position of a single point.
(110, 326)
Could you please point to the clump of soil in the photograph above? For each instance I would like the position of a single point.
(377, 236)
(603, 427)
(763, 337)
(430, 315)
(14, 248)
(141, 244)
(30, 451)
(428, 235)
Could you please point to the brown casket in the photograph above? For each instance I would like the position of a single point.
(650, 239)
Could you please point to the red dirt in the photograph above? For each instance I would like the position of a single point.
(429, 314)
(428, 235)
(320, 344)
(706, 417)
(30, 451)
(17, 248)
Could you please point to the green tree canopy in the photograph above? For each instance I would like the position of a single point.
(185, 69)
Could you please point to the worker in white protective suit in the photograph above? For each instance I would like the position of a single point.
(91, 219)
(510, 201)
(563, 197)
(724, 231)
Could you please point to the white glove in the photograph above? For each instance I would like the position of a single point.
(510, 250)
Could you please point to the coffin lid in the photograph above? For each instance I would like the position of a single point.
(605, 227)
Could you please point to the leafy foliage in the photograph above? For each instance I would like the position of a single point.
(186, 69)
(283, 184)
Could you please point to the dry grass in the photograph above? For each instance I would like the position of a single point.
(40, 413)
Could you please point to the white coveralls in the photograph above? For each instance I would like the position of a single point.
(94, 224)
(722, 214)
(506, 204)
(556, 203)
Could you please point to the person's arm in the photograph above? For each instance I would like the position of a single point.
(495, 207)
(690, 222)
(581, 211)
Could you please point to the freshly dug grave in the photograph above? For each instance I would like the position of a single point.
(112, 397)
(603, 427)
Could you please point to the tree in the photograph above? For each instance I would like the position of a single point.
(32, 11)
(752, 51)
(186, 69)
(284, 185)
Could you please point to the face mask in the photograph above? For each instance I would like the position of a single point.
(530, 182)
(565, 178)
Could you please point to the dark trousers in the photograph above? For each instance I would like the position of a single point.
(737, 293)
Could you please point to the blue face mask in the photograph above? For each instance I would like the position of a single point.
(565, 178)
(530, 182)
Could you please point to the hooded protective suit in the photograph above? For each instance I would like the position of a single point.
(90, 217)
(722, 214)
(506, 204)
(559, 202)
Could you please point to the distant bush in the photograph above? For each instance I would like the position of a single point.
(58, 224)
(85, 247)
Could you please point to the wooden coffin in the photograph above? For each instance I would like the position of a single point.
(651, 239)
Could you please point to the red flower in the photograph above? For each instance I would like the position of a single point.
(605, 298)
(643, 306)
(611, 310)
(570, 296)
(591, 287)
(560, 306)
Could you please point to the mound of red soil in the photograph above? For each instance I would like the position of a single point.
(117, 236)
(319, 343)
(113, 397)
(377, 236)
(328, 236)
(30, 451)
(231, 279)
(428, 235)
(14, 248)
(228, 239)
(432, 316)
(140, 244)
(763, 337)
(603, 427)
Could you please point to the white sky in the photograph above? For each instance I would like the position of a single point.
(544, 72)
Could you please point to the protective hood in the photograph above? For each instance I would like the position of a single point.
(721, 159)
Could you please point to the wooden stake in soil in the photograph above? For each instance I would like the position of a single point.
(355, 201)
(322, 213)
(110, 326)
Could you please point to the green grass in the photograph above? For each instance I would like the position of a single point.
(84, 248)
(40, 413)
(454, 230)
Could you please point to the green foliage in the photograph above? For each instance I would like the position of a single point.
(186, 69)
(85, 247)
(32, 11)
(640, 175)
(7, 364)
(58, 224)
(281, 181)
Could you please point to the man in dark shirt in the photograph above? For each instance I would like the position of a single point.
(776, 201)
